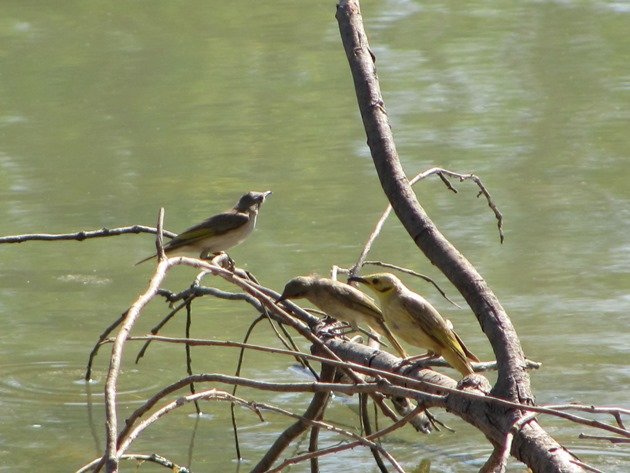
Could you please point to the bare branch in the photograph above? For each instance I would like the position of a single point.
(314, 412)
(159, 242)
(83, 234)
(155, 330)
(616, 412)
(417, 388)
(482, 191)
(111, 459)
(101, 340)
(388, 210)
(239, 364)
(531, 444)
(497, 462)
(584, 466)
(140, 458)
(604, 437)
(398, 424)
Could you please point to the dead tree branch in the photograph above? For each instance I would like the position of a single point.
(82, 235)
(531, 444)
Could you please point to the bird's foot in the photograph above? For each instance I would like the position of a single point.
(416, 360)
(331, 328)
(340, 330)
(221, 259)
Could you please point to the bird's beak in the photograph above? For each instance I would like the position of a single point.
(263, 198)
(280, 299)
(357, 279)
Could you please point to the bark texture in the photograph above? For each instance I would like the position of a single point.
(532, 445)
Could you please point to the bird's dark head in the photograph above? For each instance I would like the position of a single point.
(251, 201)
(296, 288)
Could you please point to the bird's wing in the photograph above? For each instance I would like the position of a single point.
(429, 320)
(219, 224)
(356, 300)
(436, 328)
(470, 355)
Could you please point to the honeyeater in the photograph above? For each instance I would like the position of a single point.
(343, 302)
(416, 321)
(219, 232)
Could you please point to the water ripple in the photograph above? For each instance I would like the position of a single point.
(57, 382)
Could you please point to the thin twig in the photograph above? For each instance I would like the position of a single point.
(583, 465)
(616, 412)
(213, 394)
(152, 458)
(83, 234)
(102, 337)
(354, 271)
(478, 366)
(441, 174)
(311, 416)
(159, 239)
(367, 429)
(419, 386)
(414, 273)
(310, 387)
(290, 344)
(396, 425)
(239, 364)
(502, 453)
(110, 457)
(604, 437)
(155, 330)
(189, 369)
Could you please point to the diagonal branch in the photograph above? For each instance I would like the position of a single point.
(82, 235)
(513, 383)
(531, 444)
(315, 411)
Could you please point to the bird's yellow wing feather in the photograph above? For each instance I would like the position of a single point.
(470, 355)
(356, 300)
(220, 224)
(431, 322)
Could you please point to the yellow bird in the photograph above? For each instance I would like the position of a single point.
(341, 301)
(219, 232)
(417, 322)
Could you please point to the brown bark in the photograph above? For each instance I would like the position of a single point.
(531, 444)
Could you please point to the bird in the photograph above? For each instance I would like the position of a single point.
(219, 232)
(417, 322)
(341, 301)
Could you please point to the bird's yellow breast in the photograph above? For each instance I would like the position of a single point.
(406, 326)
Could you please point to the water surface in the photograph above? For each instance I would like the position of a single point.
(110, 111)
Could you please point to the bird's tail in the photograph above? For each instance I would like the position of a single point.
(387, 333)
(456, 356)
(145, 259)
(470, 355)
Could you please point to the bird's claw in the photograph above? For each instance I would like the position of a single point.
(223, 260)
(416, 360)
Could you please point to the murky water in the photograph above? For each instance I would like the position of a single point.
(110, 111)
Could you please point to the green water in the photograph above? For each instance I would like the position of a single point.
(111, 110)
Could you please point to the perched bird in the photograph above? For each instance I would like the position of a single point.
(417, 322)
(219, 232)
(341, 301)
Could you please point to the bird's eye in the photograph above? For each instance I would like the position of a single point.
(374, 281)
